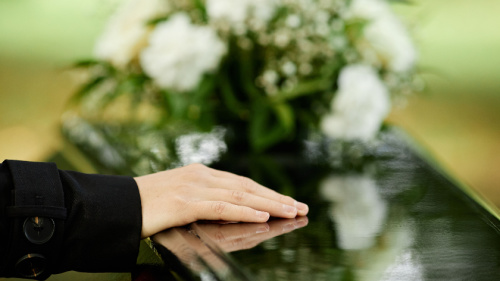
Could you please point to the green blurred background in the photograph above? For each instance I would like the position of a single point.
(456, 119)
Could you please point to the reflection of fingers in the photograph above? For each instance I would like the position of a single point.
(239, 244)
(197, 250)
(241, 198)
(277, 227)
(302, 221)
(252, 241)
(221, 233)
(173, 239)
(286, 224)
(218, 210)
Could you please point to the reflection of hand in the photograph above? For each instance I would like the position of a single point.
(230, 237)
(195, 192)
(239, 236)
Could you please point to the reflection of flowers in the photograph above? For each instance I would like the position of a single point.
(385, 34)
(204, 148)
(126, 33)
(365, 228)
(360, 107)
(393, 259)
(179, 53)
(358, 211)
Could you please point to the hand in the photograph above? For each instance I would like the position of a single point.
(195, 192)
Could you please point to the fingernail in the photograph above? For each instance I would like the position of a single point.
(301, 206)
(262, 229)
(302, 221)
(263, 215)
(289, 209)
(288, 227)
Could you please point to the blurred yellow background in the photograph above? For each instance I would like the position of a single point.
(457, 119)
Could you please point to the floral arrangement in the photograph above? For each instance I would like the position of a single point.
(272, 70)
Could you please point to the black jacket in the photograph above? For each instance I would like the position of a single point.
(53, 221)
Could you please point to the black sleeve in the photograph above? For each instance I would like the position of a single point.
(98, 224)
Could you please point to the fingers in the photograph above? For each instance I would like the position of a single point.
(226, 180)
(241, 198)
(220, 210)
(231, 181)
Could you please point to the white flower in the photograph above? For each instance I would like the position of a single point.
(385, 34)
(389, 38)
(368, 9)
(358, 211)
(236, 12)
(126, 32)
(360, 106)
(293, 21)
(180, 53)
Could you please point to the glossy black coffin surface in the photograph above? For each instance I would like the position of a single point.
(392, 217)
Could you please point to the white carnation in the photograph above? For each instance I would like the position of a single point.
(358, 211)
(180, 53)
(385, 34)
(360, 106)
(126, 32)
(236, 12)
(368, 9)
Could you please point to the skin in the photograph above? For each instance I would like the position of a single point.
(195, 192)
(239, 236)
(227, 237)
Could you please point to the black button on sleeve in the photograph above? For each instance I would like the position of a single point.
(31, 266)
(39, 230)
(36, 237)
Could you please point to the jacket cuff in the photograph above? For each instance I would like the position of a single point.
(37, 216)
(103, 228)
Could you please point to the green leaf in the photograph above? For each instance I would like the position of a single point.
(155, 21)
(247, 77)
(178, 104)
(286, 117)
(86, 63)
(267, 128)
(201, 7)
(88, 88)
(275, 173)
(204, 89)
(122, 88)
(200, 109)
(303, 89)
(229, 98)
(355, 28)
